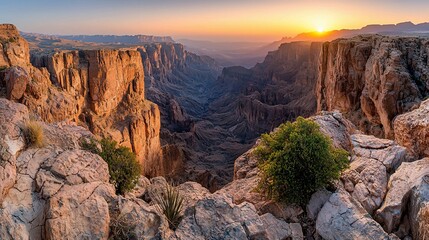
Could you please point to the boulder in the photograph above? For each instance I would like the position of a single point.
(216, 217)
(336, 127)
(138, 219)
(372, 162)
(401, 184)
(419, 209)
(317, 200)
(412, 130)
(342, 217)
(192, 192)
(140, 189)
(16, 79)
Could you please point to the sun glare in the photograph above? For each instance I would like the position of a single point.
(320, 29)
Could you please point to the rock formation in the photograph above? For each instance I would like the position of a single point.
(411, 130)
(101, 89)
(372, 79)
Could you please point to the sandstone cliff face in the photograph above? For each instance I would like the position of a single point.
(13, 48)
(107, 87)
(372, 79)
(101, 89)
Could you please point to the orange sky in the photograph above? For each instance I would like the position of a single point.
(254, 20)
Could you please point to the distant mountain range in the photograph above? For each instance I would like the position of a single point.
(400, 29)
(123, 39)
(245, 54)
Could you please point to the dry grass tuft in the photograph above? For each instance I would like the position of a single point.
(33, 134)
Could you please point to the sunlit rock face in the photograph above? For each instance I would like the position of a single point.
(372, 79)
(101, 89)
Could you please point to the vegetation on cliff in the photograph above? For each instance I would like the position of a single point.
(33, 134)
(170, 203)
(124, 169)
(296, 160)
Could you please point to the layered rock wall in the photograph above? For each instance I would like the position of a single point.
(101, 89)
(372, 79)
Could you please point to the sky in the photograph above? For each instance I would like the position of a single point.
(220, 20)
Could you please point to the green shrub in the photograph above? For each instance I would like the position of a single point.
(33, 134)
(124, 169)
(170, 203)
(296, 160)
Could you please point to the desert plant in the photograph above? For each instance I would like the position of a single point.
(170, 203)
(33, 134)
(296, 160)
(121, 228)
(124, 169)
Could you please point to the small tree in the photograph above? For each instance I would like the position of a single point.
(124, 169)
(296, 160)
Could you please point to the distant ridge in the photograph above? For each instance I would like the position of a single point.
(122, 39)
(400, 29)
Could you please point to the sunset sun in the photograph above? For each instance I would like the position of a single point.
(320, 29)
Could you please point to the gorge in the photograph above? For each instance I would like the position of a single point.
(190, 121)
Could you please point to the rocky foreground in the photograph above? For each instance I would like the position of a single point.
(63, 192)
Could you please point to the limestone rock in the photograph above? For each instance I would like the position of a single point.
(216, 217)
(57, 190)
(401, 183)
(142, 220)
(192, 193)
(388, 152)
(411, 130)
(342, 217)
(372, 162)
(12, 117)
(419, 209)
(317, 200)
(336, 127)
(140, 188)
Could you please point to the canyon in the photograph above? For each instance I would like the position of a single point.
(191, 121)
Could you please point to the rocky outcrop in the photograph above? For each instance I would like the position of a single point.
(54, 188)
(11, 143)
(372, 79)
(410, 178)
(411, 130)
(61, 191)
(217, 217)
(342, 217)
(372, 163)
(100, 89)
(13, 48)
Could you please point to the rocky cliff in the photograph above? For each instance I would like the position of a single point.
(372, 79)
(100, 89)
(281, 88)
